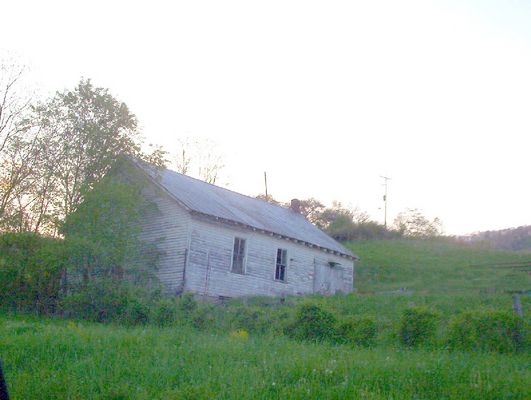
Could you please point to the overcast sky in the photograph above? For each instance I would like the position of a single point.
(324, 96)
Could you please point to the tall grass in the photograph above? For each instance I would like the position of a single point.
(67, 360)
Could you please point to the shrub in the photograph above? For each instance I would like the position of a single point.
(203, 317)
(105, 300)
(487, 331)
(312, 323)
(359, 331)
(417, 325)
(136, 312)
(30, 272)
(251, 319)
(187, 304)
(164, 313)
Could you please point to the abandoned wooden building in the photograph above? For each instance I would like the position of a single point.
(218, 243)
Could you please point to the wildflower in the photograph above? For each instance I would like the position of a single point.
(240, 333)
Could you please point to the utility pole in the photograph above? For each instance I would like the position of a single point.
(265, 181)
(385, 178)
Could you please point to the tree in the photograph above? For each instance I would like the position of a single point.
(18, 145)
(311, 209)
(14, 101)
(412, 222)
(334, 216)
(59, 150)
(102, 234)
(199, 158)
(88, 130)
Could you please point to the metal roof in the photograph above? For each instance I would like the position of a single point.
(223, 204)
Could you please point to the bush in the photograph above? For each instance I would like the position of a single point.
(417, 326)
(187, 304)
(136, 312)
(164, 313)
(30, 272)
(487, 331)
(203, 317)
(251, 319)
(104, 300)
(313, 324)
(358, 331)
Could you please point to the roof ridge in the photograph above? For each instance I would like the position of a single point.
(200, 181)
(221, 203)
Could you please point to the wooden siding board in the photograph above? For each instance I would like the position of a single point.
(208, 271)
(206, 248)
(166, 224)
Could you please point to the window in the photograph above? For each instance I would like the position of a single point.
(238, 255)
(282, 263)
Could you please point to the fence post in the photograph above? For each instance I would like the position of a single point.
(517, 305)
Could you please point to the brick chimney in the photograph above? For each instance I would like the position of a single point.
(296, 205)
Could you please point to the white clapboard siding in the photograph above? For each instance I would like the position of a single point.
(196, 256)
(208, 271)
(166, 224)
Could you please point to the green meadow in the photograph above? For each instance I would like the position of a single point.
(240, 350)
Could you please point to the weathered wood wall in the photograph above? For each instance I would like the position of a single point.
(196, 256)
(208, 270)
(167, 224)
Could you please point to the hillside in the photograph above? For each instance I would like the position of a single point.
(436, 266)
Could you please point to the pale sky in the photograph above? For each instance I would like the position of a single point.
(324, 96)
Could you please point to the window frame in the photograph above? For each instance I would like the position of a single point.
(286, 262)
(244, 258)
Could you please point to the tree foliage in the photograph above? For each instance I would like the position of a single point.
(31, 268)
(59, 150)
(414, 224)
(88, 130)
(103, 233)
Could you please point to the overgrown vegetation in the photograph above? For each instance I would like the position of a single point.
(417, 325)
(487, 330)
(411, 352)
(31, 267)
(101, 271)
(68, 360)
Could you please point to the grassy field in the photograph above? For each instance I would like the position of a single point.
(77, 360)
(48, 360)
(436, 267)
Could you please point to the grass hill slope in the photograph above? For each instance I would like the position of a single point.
(437, 266)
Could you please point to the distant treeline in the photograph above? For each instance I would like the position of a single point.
(515, 239)
(346, 224)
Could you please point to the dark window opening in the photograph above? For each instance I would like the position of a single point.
(238, 255)
(281, 265)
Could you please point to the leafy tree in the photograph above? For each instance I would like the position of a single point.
(103, 233)
(87, 130)
(59, 151)
(413, 223)
(311, 209)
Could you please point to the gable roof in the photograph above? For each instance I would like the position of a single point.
(223, 204)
